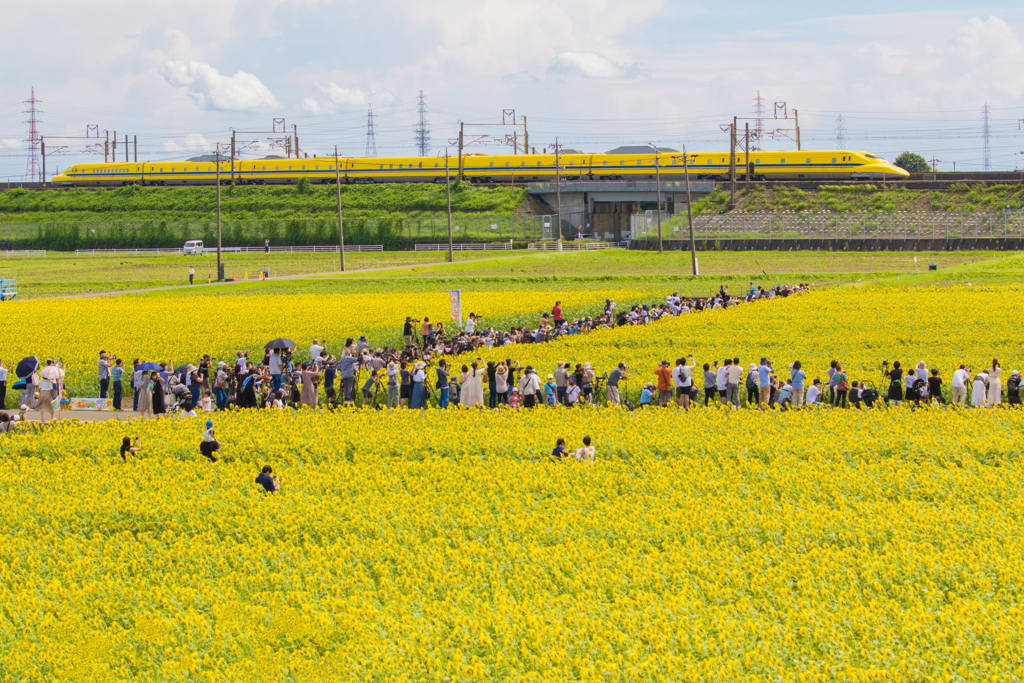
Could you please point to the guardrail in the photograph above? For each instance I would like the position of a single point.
(232, 250)
(22, 252)
(466, 246)
(575, 246)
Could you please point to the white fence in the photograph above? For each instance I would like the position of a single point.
(467, 246)
(23, 252)
(234, 250)
(575, 246)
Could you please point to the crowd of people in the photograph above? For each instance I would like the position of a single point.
(419, 373)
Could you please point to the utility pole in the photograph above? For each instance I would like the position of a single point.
(558, 185)
(657, 174)
(232, 158)
(126, 148)
(746, 161)
(689, 213)
(295, 134)
(341, 223)
(106, 145)
(448, 192)
(220, 267)
(526, 138)
(796, 119)
(42, 153)
(732, 163)
(462, 132)
(135, 143)
(113, 150)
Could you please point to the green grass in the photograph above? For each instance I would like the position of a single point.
(867, 197)
(66, 274)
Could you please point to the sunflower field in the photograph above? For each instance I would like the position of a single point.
(709, 545)
(714, 545)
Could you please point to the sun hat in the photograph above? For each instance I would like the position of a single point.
(552, 376)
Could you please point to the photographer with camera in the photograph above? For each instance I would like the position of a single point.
(103, 372)
(407, 330)
(614, 377)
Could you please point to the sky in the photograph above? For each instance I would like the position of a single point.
(593, 74)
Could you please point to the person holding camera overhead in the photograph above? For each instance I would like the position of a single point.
(407, 330)
(103, 372)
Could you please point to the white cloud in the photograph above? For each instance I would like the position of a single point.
(591, 65)
(12, 144)
(213, 91)
(193, 142)
(336, 96)
(520, 77)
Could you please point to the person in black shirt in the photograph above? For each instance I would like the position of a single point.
(1013, 388)
(129, 446)
(935, 386)
(442, 384)
(895, 394)
(270, 483)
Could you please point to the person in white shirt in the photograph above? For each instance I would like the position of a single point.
(960, 385)
(241, 360)
(471, 324)
(814, 394)
(721, 379)
(3, 386)
(586, 452)
(315, 350)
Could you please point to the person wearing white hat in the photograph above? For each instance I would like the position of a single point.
(419, 387)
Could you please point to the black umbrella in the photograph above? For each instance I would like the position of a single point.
(27, 367)
(280, 344)
(181, 368)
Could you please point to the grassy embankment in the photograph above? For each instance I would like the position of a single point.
(393, 215)
(868, 198)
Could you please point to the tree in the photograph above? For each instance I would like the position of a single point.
(913, 163)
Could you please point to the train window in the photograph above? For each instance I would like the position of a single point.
(492, 164)
(507, 164)
(391, 165)
(833, 160)
(606, 163)
(382, 165)
(523, 164)
(421, 164)
(709, 162)
(401, 166)
(757, 161)
(303, 168)
(437, 165)
(316, 168)
(783, 161)
(622, 163)
(808, 161)
(277, 168)
(538, 163)
(264, 168)
(871, 156)
(571, 163)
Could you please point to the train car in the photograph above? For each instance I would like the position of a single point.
(486, 168)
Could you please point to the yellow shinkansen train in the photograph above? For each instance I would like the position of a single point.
(484, 168)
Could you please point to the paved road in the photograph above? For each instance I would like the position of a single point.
(293, 277)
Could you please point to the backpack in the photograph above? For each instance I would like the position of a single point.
(751, 382)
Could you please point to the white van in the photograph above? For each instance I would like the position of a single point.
(193, 248)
